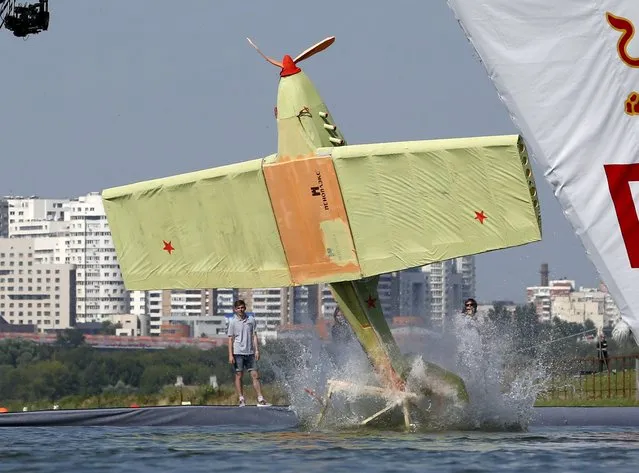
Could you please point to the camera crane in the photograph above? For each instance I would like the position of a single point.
(24, 19)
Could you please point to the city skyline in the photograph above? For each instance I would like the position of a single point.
(176, 94)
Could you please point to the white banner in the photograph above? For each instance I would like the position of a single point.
(568, 72)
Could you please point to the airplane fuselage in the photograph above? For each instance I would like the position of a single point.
(304, 124)
(303, 120)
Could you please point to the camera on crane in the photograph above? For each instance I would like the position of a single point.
(27, 19)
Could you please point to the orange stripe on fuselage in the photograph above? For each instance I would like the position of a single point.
(311, 218)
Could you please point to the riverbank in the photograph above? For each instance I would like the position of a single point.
(169, 396)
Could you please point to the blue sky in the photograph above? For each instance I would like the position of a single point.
(122, 91)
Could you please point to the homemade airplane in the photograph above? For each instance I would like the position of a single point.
(320, 211)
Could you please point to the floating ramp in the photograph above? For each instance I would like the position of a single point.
(275, 417)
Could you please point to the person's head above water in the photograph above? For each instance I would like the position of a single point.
(470, 306)
(338, 316)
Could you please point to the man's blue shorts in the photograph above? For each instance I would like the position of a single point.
(244, 363)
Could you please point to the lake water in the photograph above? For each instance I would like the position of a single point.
(191, 450)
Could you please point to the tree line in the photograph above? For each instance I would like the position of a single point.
(31, 372)
(526, 334)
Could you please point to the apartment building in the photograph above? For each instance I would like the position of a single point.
(195, 308)
(100, 288)
(33, 293)
(74, 232)
(4, 217)
(542, 296)
(267, 306)
(560, 298)
(450, 282)
(563, 300)
(411, 295)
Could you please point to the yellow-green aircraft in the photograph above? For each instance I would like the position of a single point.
(321, 211)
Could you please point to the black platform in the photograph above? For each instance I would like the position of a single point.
(586, 416)
(167, 416)
(278, 418)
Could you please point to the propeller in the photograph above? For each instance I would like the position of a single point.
(288, 65)
(316, 48)
(272, 61)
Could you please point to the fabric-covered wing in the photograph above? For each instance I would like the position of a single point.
(345, 213)
(414, 203)
(205, 229)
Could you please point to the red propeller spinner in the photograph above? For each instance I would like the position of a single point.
(288, 65)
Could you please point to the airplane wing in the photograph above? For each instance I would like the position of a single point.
(414, 203)
(205, 229)
(345, 213)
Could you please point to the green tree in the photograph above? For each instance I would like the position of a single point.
(70, 338)
(155, 377)
(92, 379)
(108, 328)
(16, 351)
(52, 380)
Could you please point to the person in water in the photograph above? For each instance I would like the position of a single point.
(469, 346)
(470, 307)
(244, 352)
(340, 331)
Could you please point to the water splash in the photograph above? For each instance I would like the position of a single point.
(501, 381)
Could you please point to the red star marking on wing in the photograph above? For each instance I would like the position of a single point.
(168, 247)
(480, 216)
(371, 301)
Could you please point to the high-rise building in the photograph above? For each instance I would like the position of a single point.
(223, 300)
(465, 266)
(327, 303)
(27, 215)
(4, 217)
(268, 306)
(301, 305)
(43, 221)
(33, 293)
(100, 288)
(411, 294)
(74, 232)
(450, 282)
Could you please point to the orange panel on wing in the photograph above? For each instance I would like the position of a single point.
(312, 220)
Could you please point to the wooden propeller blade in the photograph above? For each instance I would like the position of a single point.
(321, 46)
(272, 61)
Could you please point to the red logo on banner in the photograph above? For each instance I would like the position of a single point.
(619, 178)
(631, 105)
(628, 30)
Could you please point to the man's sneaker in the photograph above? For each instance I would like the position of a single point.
(242, 403)
(262, 402)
